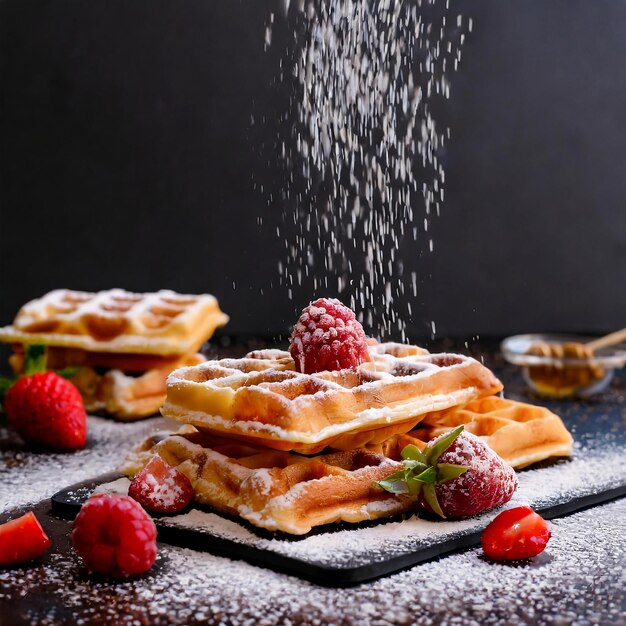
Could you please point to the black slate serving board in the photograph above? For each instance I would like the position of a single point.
(386, 554)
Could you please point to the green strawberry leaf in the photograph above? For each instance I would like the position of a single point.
(447, 471)
(67, 372)
(412, 453)
(5, 383)
(430, 496)
(34, 359)
(432, 453)
(414, 485)
(428, 476)
(395, 483)
(421, 472)
(415, 466)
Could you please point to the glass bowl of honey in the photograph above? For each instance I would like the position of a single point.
(559, 366)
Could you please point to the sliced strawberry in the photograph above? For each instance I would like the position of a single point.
(517, 533)
(22, 539)
(161, 488)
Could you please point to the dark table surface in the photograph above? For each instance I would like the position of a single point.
(578, 580)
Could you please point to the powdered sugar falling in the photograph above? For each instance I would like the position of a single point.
(362, 148)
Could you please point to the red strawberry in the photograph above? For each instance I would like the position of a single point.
(327, 337)
(114, 536)
(47, 410)
(161, 488)
(517, 533)
(457, 475)
(22, 539)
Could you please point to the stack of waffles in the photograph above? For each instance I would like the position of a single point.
(121, 345)
(288, 451)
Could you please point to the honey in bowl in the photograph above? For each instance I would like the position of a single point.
(566, 378)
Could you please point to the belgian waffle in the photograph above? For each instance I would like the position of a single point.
(123, 396)
(117, 321)
(111, 334)
(261, 399)
(520, 433)
(278, 490)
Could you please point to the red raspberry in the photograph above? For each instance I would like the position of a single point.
(47, 410)
(487, 483)
(327, 337)
(517, 533)
(22, 539)
(114, 536)
(161, 488)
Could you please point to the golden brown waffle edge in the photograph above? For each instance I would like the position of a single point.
(286, 491)
(262, 399)
(522, 434)
(117, 321)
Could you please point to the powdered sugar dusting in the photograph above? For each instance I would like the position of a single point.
(585, 474)
(361, 145)
(27, 477)
(574, 581)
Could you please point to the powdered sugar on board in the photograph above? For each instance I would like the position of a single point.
(27, 476)
(587, 473)
(576, 581)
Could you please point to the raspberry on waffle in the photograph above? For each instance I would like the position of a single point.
(262, 399)
(520, 433)
(278, 490)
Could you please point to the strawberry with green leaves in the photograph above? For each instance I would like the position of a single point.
(457, 475)
(44, 408)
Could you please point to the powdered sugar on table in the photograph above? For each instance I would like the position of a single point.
(587, 473)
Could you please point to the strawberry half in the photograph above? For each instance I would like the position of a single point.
(161, 488)
(457, 475)
(517, 533)
(22, 539)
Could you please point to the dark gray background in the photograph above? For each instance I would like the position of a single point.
(127, 159)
